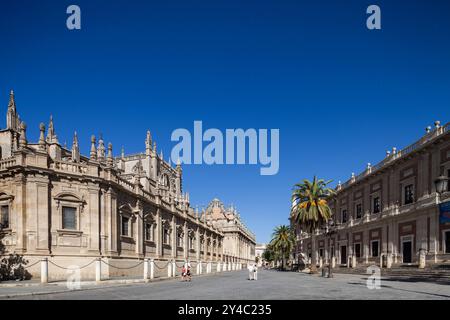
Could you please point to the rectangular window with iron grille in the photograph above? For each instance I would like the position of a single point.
(344, 216)
(376, 205)
(358, 211)
(409, 194)
(148, 232)
(4, 222)
(125, 226)
(69, 218)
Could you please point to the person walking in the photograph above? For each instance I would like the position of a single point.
(255, 272)
(250, 272)
(184, 273)
(187, 271)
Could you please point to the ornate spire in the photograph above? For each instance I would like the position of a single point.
(23, 136)
(101, 149)
(12, 120)
(109, 158)
(51, 136)
(75, 148)
(42, 136)
(93, 154)
(122, 153)
(148, 143)
(12, 102)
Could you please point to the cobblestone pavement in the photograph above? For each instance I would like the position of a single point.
(271, 285)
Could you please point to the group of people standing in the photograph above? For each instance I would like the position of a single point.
(186, 272)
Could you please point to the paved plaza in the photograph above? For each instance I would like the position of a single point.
(271, 285)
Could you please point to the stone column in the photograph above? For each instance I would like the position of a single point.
(185, 241)
(93, 217)
(20, 211)
(159, 234)
(434, 233)
(423, 177)
(139, 233)
(384, 244)
(197, 243)
(111, 217)
(174, 238)
(351, 252)
(38, 202)
(366, 245)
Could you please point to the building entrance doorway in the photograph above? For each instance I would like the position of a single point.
(447, 241)
(407, 251)
(343, 255)
(358, 250)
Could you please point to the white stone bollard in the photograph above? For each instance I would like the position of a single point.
(353, 262)
(218, 266)
(98, 270)
(333, 262)
(169, 269)
(44, 270)
(201, 267)
(174, 269)
(389, 261)
(146, 270)
(422, 259)
(229, 266)
(198, 268)
(152, 269)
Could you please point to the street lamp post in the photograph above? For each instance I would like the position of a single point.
(441, 184)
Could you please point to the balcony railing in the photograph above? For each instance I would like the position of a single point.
(438, 131)
(71, 167)
(6, 163)
(125, 184)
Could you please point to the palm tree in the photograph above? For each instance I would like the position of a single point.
(283, 241)
(310, 209)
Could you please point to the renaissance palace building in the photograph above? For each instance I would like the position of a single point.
(394, 213)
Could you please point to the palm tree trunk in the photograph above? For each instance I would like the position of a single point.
(313, 253)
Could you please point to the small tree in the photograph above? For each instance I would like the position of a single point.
(13, 268)
(269, 254)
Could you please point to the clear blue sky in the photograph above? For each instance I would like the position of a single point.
(340, 94)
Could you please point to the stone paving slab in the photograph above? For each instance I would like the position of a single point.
(271, 285)
(23, 289)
